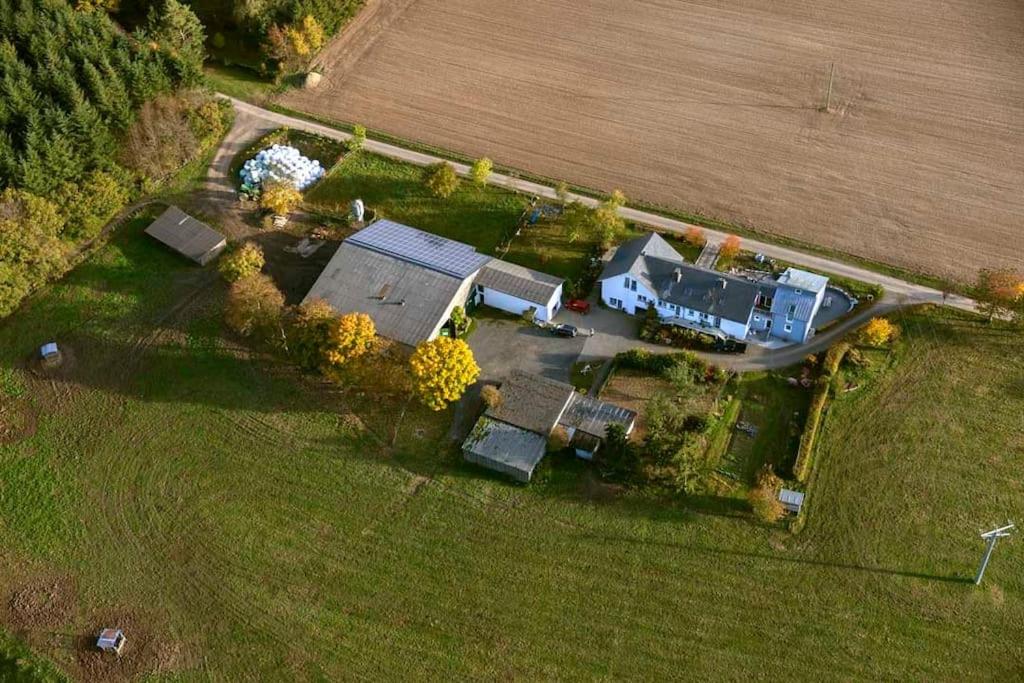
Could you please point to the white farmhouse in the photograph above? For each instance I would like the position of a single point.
(647, 273)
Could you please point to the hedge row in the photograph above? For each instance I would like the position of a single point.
(816, 411)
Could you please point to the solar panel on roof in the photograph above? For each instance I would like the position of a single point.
(419, 247)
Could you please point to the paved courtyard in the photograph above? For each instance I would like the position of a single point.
(501, 346)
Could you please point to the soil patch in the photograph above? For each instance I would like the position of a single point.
(42, 604)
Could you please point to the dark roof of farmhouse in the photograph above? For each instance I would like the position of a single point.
(652, 261)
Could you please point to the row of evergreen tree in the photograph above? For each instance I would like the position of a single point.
(70, 81)
(90, 116)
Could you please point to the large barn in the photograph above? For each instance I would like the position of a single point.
(409, 281)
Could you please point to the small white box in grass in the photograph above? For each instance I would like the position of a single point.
(111, 640)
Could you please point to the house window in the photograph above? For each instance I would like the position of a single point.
(615, 303)
(788, 328)
(799, 291)
(790, 312)
(630, 285)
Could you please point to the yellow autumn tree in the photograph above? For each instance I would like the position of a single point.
(878, 331)
(280, 198)
(349, 337)
(442, 369)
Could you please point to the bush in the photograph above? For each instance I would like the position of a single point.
(558, 439)
(255, 306)
(878, 332)
(441, 179)
(309, 332)
(481, 171)
(491, 396)
(696, 423)
(358, 139)
(815, 412)
(695, 236)
(241, 262)
(280, 198)
(30, 247)
(348, 337)
(765, 504)
(730, 248)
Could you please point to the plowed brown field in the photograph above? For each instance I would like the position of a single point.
(713, 106)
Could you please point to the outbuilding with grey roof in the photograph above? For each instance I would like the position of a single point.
(516, 289)
(187, 236)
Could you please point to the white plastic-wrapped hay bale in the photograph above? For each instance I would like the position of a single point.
(280, 163)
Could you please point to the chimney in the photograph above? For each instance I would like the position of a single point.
(678, 273)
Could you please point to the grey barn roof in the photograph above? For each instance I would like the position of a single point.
(532, 402)
(518, 281)
(589, 415)
(407, 301)
(187, 236)
(421, 248)
(504, 448)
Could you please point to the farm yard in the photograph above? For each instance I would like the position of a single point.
(714, 109)
(243, 520)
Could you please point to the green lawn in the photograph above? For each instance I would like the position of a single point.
(477, 216)
(247, 523)
(239, 82)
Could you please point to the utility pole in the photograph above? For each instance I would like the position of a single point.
(991, 537)
(828, 95)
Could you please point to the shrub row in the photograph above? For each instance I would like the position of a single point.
(834, 356)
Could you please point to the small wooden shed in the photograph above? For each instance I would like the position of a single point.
(187, 236)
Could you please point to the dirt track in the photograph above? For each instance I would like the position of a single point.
(713, 106)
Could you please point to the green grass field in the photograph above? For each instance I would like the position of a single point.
(243, 521)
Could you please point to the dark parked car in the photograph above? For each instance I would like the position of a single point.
(578, 305)
(564, 330)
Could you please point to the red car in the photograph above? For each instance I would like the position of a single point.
(578, 305)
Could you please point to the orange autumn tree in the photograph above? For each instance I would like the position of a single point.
(695, 236)
(730, 247)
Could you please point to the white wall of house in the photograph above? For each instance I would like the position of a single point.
(516, 306)
(616, 294)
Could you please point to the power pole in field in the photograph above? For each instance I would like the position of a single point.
(991, 537)
(828, 94)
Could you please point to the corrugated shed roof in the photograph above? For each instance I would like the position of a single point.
(802, 304)
(593, 416)
(532, 402)
(407, 301)
(186, 235)
(422, 248)
(801, 279)
(518, 281)
(504, 448)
